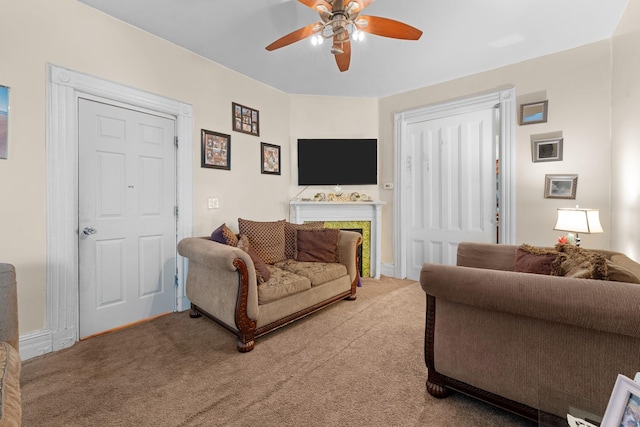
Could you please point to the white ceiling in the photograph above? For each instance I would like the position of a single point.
(460, 37)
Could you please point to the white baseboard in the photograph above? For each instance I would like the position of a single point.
(35, 344)
(387, 270)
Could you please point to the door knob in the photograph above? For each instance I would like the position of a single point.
(89, 230)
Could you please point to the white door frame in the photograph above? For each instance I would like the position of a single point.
(505, 101)
(64, 87)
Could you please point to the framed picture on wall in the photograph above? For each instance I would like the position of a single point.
(560, 186)
(547, 150)
(216, 150)
(535, 112)
(245, 119)
(270, 158)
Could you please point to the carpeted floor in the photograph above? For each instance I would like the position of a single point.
(357, 363)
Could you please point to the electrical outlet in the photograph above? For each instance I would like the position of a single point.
(213, 203)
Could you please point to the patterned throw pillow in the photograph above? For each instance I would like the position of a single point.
(262, 272)
(266, 238)
(574, 261)
(317, 245)
(224, 235)
(290, 235)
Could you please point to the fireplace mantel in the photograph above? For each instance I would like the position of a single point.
(303, 211)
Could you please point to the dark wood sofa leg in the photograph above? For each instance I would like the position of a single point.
(245, 347)
(435, 386)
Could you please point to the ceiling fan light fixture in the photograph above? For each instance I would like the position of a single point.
(352, 7)
(361, 23)
(357, 35)
(317, 40)
(336, 50)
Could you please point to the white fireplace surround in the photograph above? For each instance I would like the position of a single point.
(346, 211)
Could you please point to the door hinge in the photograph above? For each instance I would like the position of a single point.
(176, 280)
(175, 211)
(176, 141)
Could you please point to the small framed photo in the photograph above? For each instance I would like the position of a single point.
(623, 408)
(560, 186)
(245, 119)
(535, 112)
(270, 158)
(4, 122)
(547, 150)
(216, 150)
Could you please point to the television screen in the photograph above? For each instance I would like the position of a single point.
(337, 161)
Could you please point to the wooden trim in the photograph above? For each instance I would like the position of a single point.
(246, 326)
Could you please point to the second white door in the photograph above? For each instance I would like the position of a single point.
(126, 216)
(452, 193)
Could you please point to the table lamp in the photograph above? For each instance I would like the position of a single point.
(577, 220)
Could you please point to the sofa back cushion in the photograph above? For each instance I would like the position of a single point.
(266, 238)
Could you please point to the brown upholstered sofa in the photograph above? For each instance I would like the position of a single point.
(509, 337)
(225, 278)
(10, 400)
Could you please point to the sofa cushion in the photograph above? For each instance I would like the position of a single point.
(224, 235)
(530, 259)
(290, 235)
(317, 245)
(266, 238)
(317, 272)
(10, 399)
(618, 273)
(262, 272)
(281, 284)
(573, 261)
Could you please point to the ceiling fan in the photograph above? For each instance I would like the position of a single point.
(340, 21)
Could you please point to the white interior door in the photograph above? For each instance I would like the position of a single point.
(126, 218)
(451, 186)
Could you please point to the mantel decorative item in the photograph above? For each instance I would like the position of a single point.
(245, 119)
(534, 112)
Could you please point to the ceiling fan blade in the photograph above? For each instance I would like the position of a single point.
(389, 28)
(293, 37)
(343, 59)
(313, 3)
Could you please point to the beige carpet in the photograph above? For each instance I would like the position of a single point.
(357, 363)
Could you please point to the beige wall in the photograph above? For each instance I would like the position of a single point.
(577, 84)
(69, 34)
(625, 174)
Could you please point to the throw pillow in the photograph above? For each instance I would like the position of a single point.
(577, 262)
(530, 259)
(224, 235)
(618, 273)
(267, 238)
(262, 271)
(317, 245)
(290, 235)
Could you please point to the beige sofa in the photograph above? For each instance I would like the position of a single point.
(222, 283)
(513, 338)
(10, 399)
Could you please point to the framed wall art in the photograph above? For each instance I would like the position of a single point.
(4, 122)
(560, 186)
(535, 112)
(270, 158)
(623, 408)
(245, 119)
(546, 150)
(216, 150)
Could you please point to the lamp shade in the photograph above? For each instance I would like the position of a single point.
(579, 220)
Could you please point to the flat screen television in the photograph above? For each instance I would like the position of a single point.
(338, 161)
